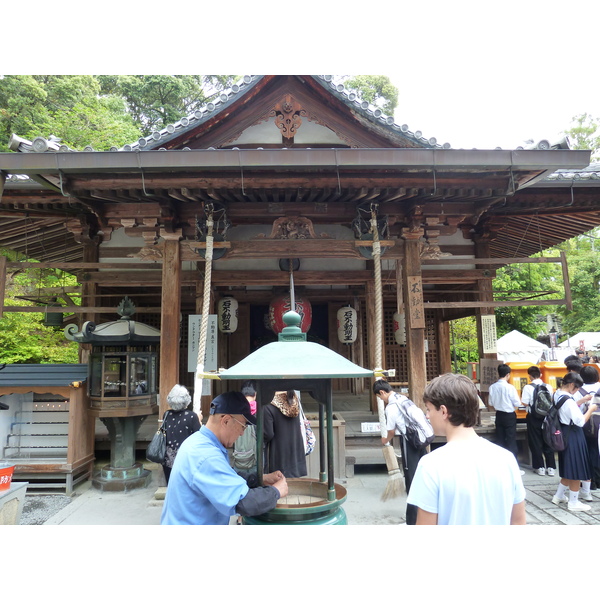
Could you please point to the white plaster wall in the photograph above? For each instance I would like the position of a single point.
(267, 132)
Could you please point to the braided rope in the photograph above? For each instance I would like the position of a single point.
(205, 309)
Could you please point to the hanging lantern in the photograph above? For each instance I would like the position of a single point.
(347, 321)
(282, 304)
(227, 314)
(400, 328)
(53, 319)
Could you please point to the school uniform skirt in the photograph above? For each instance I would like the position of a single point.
(573, 462)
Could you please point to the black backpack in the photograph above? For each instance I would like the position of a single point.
(552, 428)
(417, 436)
(541, 401)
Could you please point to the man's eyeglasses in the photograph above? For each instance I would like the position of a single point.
(244, 425)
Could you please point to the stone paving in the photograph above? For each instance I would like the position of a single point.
(541, 511)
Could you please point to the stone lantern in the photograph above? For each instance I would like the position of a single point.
(122, 388)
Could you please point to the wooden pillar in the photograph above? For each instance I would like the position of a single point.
(443, 346)
(89, 290)
(170, 311)
(415, 316)
(484, 287)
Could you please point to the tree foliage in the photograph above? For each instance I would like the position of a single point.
(585, 134)
(23, 336)
(69, 107)
(463, 343)
(526, 281)
(375, 89)
(154, 101)
(99, 111)
(584, 276)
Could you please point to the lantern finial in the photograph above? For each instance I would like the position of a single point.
(292, 332)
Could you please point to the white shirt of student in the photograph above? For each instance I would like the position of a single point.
(569, 411)
(395, 419)
(527, 392)
(468, 483)
(503, 396)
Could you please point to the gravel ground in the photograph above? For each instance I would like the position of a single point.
(39, 508)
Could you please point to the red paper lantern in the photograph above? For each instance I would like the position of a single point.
(282, 304)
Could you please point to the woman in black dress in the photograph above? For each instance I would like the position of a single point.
(179, 423)
(284, 447)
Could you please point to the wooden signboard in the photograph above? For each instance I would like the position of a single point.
(415, 302)
(210, 360)
(488, 334)
(488, 372)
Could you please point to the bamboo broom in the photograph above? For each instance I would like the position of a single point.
(395, 484)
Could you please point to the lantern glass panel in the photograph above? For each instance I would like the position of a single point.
(139, 375)
(96, 375)
(115, 375)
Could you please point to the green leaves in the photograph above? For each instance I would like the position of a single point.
(375, 89)
(585, 134)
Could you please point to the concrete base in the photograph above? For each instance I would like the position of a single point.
(11, 503)
(113, 479)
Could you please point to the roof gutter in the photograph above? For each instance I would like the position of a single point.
(547, 161)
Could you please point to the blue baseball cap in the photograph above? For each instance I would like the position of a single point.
(232, 403)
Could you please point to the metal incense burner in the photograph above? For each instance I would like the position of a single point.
(308, 367)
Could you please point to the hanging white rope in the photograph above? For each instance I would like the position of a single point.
(378, 293)
(395, 484)
(205, 310)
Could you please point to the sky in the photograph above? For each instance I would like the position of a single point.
(472, 74)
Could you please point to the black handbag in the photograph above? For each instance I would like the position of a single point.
(157, 448)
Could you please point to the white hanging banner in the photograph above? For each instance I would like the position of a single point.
(488, 334)
(210, 362)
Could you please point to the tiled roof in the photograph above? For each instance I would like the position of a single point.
(44, 375)
(589, 173)
(156, 139)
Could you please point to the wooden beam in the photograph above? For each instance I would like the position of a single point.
(567, 285)
(79, 266)
(492, 261)
(77, 309)
(495, 304)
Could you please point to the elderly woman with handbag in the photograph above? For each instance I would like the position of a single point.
(178, 424)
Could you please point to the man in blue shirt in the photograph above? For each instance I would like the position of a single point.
(203, 488)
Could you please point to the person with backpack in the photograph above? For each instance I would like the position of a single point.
(243, 456)
(573, 461)
(537, 397)
(405, 418)
(591, 385)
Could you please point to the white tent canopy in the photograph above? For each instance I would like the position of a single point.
(517, 347)
(591, 341)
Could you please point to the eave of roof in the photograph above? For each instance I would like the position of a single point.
(42, 375)
(367, 158)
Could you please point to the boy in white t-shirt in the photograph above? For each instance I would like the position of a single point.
(469, 480)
